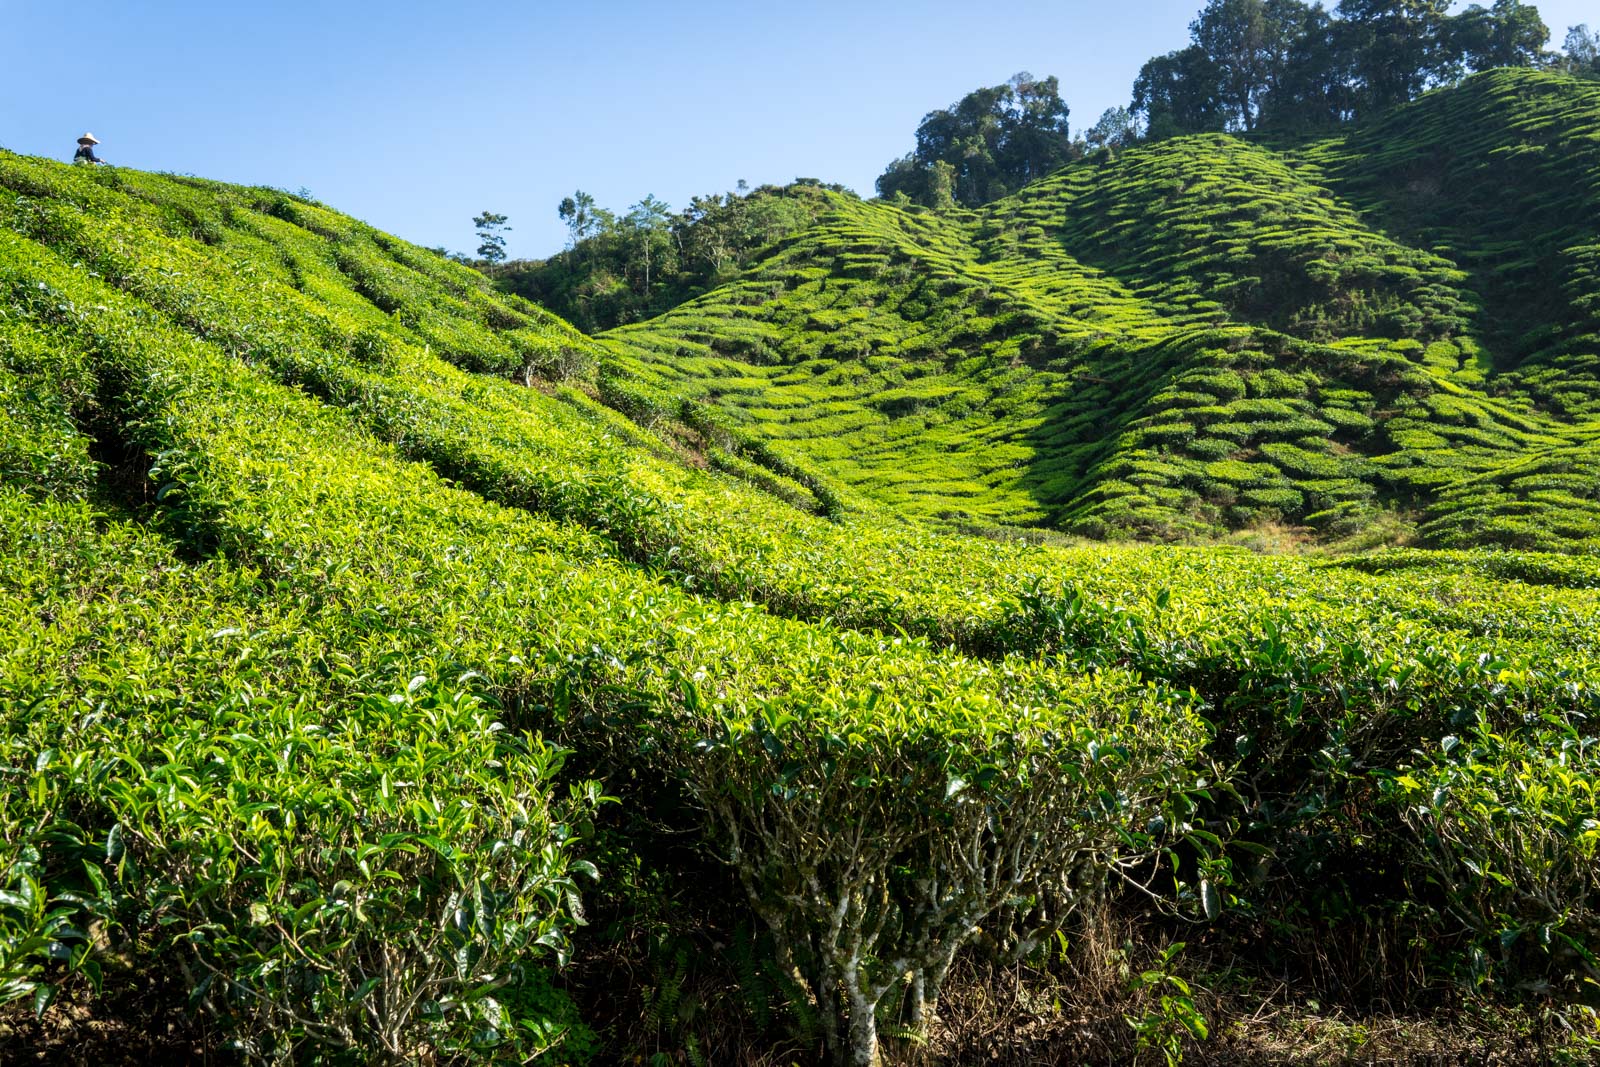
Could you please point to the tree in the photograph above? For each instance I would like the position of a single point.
(491, 231)
(1289, 64)
(1034, 136)
(1249, 43)
(649, 231)
(582, 217)
(966, 136)
(1511, 34)
(1116, 129)
(995, 140)
(905, 181)
(708, 230)
(1396, 49)
(1179, 92)
(941, 186)
(1581, 51)
(1313, 89)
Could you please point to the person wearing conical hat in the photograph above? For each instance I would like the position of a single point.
(85, 153)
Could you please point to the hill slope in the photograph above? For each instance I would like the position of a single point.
(333, 599)
(1200, 335)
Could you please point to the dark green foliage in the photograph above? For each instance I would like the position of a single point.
(1510, 34)
(989, 143)
(1249, 45)
(1285, 64)
(1178, 93)
(620, 270)
(1392, 49)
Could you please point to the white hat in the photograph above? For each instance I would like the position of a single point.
(88, 138)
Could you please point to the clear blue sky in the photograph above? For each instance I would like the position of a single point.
(416, 116)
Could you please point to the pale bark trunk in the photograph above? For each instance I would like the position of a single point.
(863, 1033)
(917, 1016)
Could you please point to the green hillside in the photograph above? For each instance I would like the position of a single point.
(391, 673)
(1199, 335)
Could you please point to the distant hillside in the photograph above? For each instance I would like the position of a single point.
(1199, 335)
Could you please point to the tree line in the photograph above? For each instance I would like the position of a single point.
(1250, 65)
(1285, 63)
(623, 267)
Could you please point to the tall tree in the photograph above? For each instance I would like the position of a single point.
(1396, 48)
(1510, 34)
(708, 231)
(1249, 42)
(995, 140)
(491, 231)
(649, 226)
(1581, 51)
(905, 181)
(1289, 64)
(941, 186)
(1034, 139)
(582, 217)
(1314, 87)
(966, 136)
(1180, 92)
(1115, 130)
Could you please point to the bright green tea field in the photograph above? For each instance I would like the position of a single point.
(1200, 335)
(391, 673)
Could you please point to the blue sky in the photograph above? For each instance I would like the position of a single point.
(416, 116)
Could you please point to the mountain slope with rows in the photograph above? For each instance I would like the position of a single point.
(1198, 335)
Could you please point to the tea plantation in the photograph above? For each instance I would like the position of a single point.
(392, 673)
(1200, 335)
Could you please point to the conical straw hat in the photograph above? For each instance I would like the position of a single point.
(88, 138)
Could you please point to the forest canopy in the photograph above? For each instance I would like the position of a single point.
(1284, 63)
(1250, 65)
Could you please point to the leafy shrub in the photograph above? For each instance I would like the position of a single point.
(1511, 831)
(874, 846)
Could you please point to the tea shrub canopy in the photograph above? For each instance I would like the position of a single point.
(367, 632)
